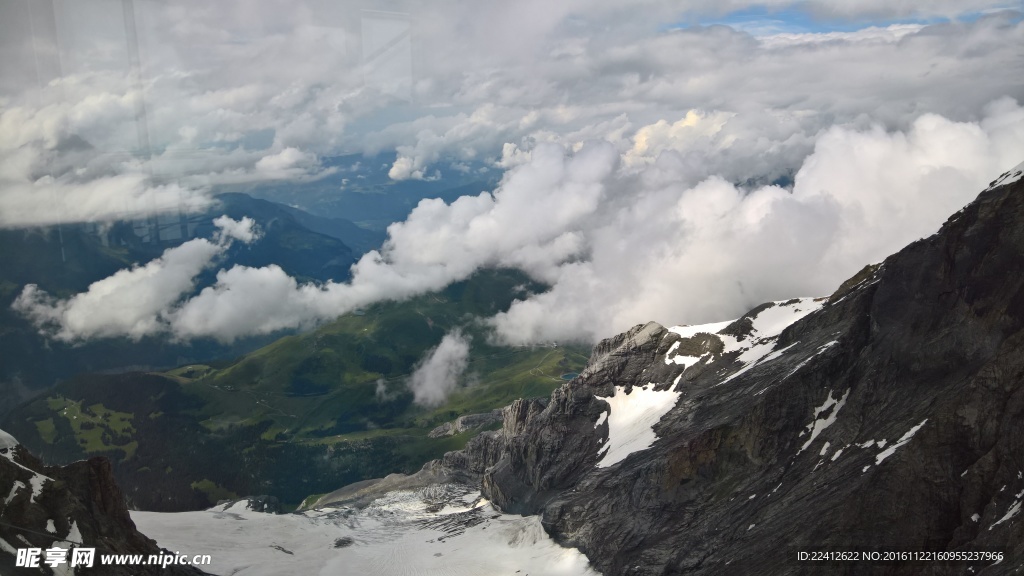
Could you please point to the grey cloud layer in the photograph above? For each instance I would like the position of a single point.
(235, 92)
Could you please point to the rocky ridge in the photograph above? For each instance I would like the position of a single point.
(884, 418)
(466, 422)
(76, 505)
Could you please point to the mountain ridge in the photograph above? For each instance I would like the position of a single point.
(74, 506)
(887, 419)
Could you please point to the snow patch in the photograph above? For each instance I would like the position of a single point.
(1009, 177)
(687, 361)
(691, 331)
(1013, 511)
(671, 349)
(975, 517)
(601, 419)
(18, 485)
(631, 420)
(899, 443)
(758, 346)
(74, 534)
(7, 441)
(819, 425)
(762, 353)
(50, 527)
(37, 482)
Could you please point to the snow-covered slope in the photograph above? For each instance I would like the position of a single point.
(1009, 177)
(633, 412)
(631, 419)
(7, 441)
(35, 482)
(439, 530)
(755, 341)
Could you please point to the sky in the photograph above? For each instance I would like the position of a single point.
(672, 161)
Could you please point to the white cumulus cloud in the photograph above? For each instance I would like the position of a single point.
(440, 370)
(133, 302)
(624, 241)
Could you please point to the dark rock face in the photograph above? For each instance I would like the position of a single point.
(48, 506)
(264, 503)
(890, 418)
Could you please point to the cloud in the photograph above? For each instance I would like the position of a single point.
(242, 92)
(244, 230)
(712, 251)
(247, 301)
(779, 91)
(133, 302)
(290, 163)
(640, 147)
(531, 222)
(49, 201)
(381, 393)
(654, 241)
(622, 238)
(439, 371)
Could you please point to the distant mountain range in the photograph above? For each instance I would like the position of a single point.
(65, 260)
(359, 190)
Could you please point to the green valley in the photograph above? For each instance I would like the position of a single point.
(303, 415)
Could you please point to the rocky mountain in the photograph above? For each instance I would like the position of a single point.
(75, 506)
(885, 418)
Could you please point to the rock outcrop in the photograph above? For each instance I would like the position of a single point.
(886, 418)
(465, 423)
(78, 505)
